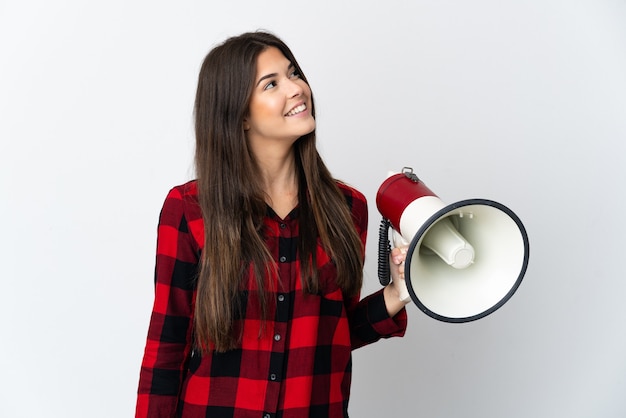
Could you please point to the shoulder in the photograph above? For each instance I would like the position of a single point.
(353, 196)
(187, 191)
(357, 204)
(184, 196)
(182, 210)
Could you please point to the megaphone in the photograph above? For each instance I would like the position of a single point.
(465, 260)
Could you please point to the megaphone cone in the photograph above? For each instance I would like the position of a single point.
(465, 260)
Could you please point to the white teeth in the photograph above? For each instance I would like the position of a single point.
(297, 110)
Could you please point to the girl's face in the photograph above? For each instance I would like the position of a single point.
(280, 106)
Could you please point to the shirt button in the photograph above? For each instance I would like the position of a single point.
(283, 226)
(281, 298)
(283, 259)
(272, 376)
(267, 416)
(277, 337)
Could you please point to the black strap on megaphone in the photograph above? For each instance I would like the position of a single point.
(384, 248)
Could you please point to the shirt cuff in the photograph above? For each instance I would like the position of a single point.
(380, 320)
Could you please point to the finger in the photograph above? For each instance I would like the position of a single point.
(398, 255)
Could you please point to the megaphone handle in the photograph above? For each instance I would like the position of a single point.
(398, 240)
(400, 283)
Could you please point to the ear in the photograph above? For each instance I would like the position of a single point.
(246, 125)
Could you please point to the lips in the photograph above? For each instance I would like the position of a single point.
(298, 109)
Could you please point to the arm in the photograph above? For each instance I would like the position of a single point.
(169, 333)
(381, 314)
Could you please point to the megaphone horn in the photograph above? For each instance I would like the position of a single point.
(465, 259)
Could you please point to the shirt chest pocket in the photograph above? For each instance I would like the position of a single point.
(327, 274)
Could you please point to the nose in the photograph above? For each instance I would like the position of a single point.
(294, 88)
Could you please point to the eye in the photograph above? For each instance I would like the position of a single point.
(270, 85)
(294, 74)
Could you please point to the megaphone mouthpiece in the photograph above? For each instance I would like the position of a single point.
(444, 240)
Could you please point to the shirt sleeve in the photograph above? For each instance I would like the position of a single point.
(169, 334)
(369, 319)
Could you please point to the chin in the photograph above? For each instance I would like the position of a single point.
(311, 128)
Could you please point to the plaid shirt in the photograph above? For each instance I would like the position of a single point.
(300, 366)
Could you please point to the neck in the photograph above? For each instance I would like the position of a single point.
(276, 163)
(280, 182)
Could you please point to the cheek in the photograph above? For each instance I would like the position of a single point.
(261, 109)
(306, 88)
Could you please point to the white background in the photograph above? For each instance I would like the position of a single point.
(522, 102)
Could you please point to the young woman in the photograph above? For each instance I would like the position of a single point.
(259, 261)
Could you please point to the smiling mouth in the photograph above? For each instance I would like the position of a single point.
(296, 110)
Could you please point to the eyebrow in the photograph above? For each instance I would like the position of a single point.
(265, 77)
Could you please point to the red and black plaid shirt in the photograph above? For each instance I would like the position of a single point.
(299, 367)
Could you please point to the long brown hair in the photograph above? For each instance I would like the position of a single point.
(233, 204)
